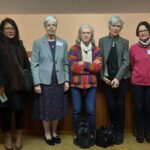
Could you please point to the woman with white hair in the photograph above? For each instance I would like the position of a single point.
(49, 67)
(85, 61)
(115, 73)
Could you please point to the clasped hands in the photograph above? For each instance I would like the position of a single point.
(114, 83)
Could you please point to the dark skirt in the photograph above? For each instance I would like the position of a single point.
(51, 104)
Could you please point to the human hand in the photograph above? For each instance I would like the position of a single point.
(80, 63)
(66, 86)
(106, 80)
(97, 61)
(115, 83)
(37, 89)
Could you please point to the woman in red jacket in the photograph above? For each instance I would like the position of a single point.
(140, 79)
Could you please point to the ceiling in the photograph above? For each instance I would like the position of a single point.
(73, 6)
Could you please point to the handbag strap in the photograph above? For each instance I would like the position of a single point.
(18, 64)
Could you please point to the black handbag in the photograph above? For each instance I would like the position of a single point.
(28, 81)
(83, 135)
(105, 136)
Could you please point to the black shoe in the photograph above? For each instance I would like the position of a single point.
(92, 141)
(6, 148)
(147, 136)
(140, 137)
(49, 141)
(119, 138)
(75, 141)
(57, 139)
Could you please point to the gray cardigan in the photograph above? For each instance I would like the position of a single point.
(42, 61)
(122, 46)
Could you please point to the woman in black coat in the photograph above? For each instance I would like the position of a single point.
(12, 52)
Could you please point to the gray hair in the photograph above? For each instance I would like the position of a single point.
(114, 20)
(51, 19)
(82, 27)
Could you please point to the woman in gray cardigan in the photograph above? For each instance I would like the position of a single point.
(114, 73)
(49, 66)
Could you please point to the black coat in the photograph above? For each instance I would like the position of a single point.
(6, 69)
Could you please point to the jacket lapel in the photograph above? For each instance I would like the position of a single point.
(107, 49)
(46, 46)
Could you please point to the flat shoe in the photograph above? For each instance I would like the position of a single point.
(57, 139)
(6, 148)
(49, 141)
(75, 141)
(18, 148)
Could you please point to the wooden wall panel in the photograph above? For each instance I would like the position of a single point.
(65, 126)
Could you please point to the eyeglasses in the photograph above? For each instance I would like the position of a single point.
(9, 29)
(143, 31)
(118, 26)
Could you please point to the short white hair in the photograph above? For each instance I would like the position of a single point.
(114, 20)
(51, 19)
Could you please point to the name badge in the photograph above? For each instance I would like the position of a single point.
(148, 51)
(59, 43)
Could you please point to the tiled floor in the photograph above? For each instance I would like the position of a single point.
(38, 143)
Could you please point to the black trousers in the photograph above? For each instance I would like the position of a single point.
(115, 98)
(6, 119)
(141, 96)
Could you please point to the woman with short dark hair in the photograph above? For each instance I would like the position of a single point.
(140, 79)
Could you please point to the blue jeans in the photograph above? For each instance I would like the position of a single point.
(84, 98)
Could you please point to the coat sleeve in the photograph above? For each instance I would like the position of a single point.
(93, 67)
(131, 59)
(26, 63)
(73, 62)
(35, 58)
(102, 52)
(1, 78)
(125, 61)
(66, 65)
(1, 75)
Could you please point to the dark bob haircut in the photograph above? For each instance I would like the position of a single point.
(13, 23)
(142, 23)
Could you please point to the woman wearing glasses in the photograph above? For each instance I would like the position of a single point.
(140, 79)
(12, 53)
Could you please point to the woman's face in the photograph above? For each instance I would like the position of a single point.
(9, 31)
(115, 29)
(143, 33)
(85, 36)
(51, 28)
